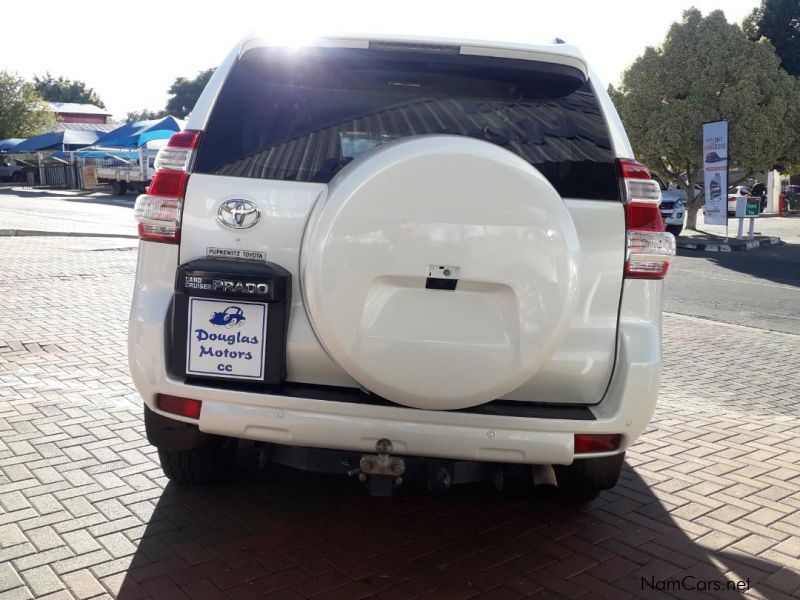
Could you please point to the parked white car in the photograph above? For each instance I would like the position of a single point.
(673, 210)
(401, 259)
(738, 191)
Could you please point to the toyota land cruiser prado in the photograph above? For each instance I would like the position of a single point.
(401, 259)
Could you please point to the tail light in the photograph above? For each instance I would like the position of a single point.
(186, 407)
(597, 442)
(158, 211)
(649, 248)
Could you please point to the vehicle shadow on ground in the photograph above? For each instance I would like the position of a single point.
(778, 264)
(307, 534)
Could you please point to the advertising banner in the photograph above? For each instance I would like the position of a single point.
(715, 169)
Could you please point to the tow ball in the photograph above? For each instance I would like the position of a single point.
(381, 472)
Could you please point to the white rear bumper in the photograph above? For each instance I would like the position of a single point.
(626, 408)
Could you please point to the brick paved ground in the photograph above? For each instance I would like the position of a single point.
(712, 490)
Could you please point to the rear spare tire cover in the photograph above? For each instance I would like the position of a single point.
(422, 203)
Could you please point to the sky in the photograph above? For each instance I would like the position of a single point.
(131, 63)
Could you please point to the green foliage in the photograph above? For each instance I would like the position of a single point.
(185, 93)
(779, 22)
(144, 115)
(22, 112)
(706, 70)
(62, 89)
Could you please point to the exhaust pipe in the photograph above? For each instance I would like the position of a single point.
(544, 475)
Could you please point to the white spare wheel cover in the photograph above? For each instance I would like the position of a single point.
(440, 200)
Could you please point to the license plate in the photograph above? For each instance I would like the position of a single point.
(226, 338)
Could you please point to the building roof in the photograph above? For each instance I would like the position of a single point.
(74, 108)
(133, 135)
(8, 143)
(57, 139)
(101, 127)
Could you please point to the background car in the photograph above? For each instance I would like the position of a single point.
(790, 197)
(737, 191)
(673, 210)
(11, 172)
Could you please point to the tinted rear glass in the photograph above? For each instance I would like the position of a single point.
(303, 116)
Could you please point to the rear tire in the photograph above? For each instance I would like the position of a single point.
(584, 479)
(211, 462)
(120, 188)
(675, 229)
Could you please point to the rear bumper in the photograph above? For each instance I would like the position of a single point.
(626, 408)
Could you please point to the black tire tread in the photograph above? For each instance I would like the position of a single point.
(211, 463)
(581, 482)
(674, 229)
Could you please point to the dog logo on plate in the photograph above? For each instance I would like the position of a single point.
(233, 316)
(238, 214)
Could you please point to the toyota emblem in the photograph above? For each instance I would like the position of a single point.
(238, 214)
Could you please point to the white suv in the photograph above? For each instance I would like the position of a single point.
(401, 259)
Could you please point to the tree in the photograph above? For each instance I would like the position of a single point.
(65, 90)
(185, 93)
(144, 115)
(706, 70)
(22, 112)
(779, 22)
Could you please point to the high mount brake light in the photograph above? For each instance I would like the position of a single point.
(158, 212)
(648, 247)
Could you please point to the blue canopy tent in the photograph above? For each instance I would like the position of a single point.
(59, 140)
(135, 135)
(8, 145)
(116, 155)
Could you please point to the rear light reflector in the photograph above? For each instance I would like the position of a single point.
(627, 168)
(184, 139)
(643, 216)
(176, 159)
(169, 184)
(158, 212)
(179, 152)
(185, 407)
(650, 243)
(636, 181)
(648, 247)
(159, 218)
(640, 190)
(597, 442)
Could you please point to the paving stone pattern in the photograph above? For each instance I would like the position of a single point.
(710, 494)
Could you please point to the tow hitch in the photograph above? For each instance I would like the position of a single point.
(381, 472)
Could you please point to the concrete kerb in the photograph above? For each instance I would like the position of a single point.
(726, 245)
(82, 234)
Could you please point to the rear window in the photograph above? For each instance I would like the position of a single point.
(303, 116)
